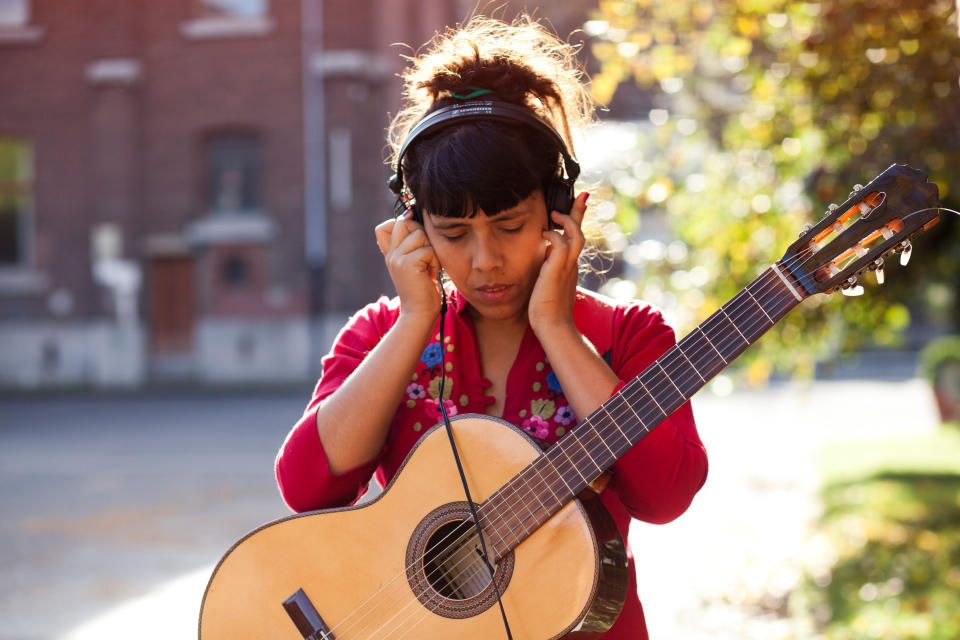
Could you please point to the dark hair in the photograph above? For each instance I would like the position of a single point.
(479, 164)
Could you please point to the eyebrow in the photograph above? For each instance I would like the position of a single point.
(452, 223)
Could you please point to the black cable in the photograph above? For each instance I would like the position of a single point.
(456, 457)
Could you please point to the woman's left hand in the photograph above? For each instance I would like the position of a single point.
(551, 302)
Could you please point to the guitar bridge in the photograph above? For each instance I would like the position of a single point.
(309, 623)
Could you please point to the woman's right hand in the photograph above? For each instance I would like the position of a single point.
(412, 264)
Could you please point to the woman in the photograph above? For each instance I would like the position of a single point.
(522, 342)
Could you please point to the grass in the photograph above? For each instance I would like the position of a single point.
(889, 560)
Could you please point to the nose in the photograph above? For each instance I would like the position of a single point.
(487, 253)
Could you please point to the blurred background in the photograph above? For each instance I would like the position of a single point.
(187, 195)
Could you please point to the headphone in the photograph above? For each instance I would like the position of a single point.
(558, 193)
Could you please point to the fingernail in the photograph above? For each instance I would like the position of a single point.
(585, 196)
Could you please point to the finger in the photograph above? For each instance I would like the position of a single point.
(579, 208)
(412, 241)
(382, 232)
(422, 260)
(404, 227)
(559, 247)
(572, 234)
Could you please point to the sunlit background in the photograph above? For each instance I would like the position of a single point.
(187, 196)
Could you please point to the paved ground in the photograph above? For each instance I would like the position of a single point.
(116, 508)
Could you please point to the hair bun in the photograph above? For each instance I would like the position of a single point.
(520, 62)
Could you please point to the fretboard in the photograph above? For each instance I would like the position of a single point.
(531, 497)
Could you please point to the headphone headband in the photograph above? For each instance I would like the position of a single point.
(486, 110)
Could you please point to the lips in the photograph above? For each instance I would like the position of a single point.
(494, 292)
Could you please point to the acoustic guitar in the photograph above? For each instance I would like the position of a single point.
(408, 564)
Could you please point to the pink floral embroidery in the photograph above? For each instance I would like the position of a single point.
(564, 415)
(433, 408)
(416, 391)
(537, 426)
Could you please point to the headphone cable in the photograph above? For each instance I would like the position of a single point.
(456, 455)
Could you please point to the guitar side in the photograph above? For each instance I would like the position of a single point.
(340, 558)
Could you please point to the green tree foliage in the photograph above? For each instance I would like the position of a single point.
(767, 111)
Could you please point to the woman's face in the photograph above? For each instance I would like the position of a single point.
(493, 261)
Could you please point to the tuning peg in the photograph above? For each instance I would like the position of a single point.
(851, 288)
(856, 188)
(907, 249)
(878, 270)
(830, 209)
(805, 229)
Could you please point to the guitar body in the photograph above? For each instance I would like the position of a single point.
(362, 567)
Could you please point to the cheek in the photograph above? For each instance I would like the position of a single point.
(535, 252)
(451, 260)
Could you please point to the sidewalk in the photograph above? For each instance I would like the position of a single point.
(183, 494)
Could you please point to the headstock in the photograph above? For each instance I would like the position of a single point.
(876, 220)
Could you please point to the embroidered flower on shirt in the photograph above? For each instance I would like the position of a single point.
(433, 408)
(564, 415)
(433, 388)
(553, 383)
(416, 391)
(432, 354)
(543, 408)
(537, 426)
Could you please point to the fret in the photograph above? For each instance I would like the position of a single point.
(534, 485)
(615, 424)
(759, 306)
(711, 344)
(774, 294)
(729, 341)
(734, 324)
(678, 368)
(622, 400)
(599, 436)
(549, 463)
(666, 395)
(650, 395)
(517, 484)
(668, 377)
(680, 350)
(560, 446)
(585, 450)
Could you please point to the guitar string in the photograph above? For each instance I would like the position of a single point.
(670, 380)
(548, 485)
(586, 450)
(403, 623)
(784, 298)
(696, 343)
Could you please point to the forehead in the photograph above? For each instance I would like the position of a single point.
(525, 207)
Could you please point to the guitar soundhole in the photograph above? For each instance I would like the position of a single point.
(445, 566)
(454, 562)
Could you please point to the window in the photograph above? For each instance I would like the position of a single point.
(16, 200)
(234, 170)
(227, 8)
(14, 13)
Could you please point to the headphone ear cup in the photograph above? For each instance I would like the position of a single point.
(558, 196)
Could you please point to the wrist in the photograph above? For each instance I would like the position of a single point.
(555, 332)
(417, 322)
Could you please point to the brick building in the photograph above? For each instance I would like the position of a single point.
(188, 187)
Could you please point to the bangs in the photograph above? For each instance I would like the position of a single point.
(481, 165)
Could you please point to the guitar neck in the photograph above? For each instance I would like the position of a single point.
(556, 477)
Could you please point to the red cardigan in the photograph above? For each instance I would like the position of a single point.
(654, 481)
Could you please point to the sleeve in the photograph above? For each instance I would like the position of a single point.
(658, 477)
(303, 474)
